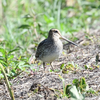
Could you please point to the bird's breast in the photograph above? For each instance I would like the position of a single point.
(53, 52)
(50, 58)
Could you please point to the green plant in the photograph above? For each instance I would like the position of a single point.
(77, 90)
(69, 67)
(91, 67)
(12, 65)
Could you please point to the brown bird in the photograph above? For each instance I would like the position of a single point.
(51, 48)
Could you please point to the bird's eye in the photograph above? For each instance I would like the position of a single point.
(56, 31)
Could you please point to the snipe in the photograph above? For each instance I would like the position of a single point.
(51, 48)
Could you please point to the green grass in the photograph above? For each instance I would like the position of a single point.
(27, 22)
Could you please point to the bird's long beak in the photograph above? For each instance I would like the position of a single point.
(68, 41)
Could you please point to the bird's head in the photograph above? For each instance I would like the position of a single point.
(55, 34)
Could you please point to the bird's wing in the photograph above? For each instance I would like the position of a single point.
(43, 48)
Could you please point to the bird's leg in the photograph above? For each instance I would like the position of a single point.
(44, 65)
(51, 64)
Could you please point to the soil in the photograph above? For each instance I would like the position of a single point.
(47, 83)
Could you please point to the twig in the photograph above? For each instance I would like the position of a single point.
(7, 83)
